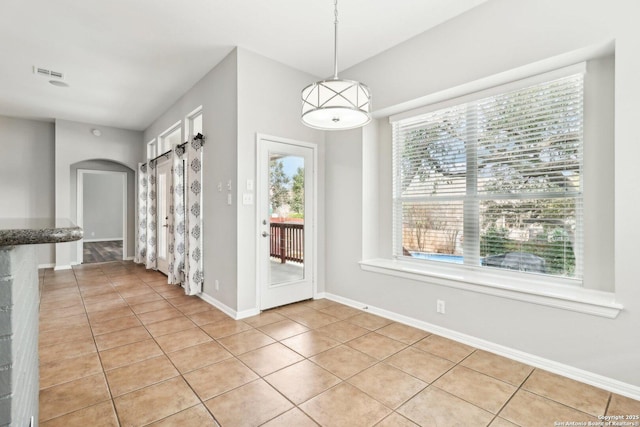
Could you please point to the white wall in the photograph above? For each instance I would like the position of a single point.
(103, 204)
(74, 143)
(217, 94)
(26, 173)
(495, 37)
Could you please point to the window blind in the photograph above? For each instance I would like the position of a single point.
(494, 182)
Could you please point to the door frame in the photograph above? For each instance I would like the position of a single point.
(164, 163)
(260, 137)
(80, 208)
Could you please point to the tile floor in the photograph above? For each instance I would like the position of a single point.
(120, 347)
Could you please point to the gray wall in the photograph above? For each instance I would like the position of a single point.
(237, 104)
(103, 203)
(268, 103)
(105, 165)
(497, 37)
(27, 173)
(75, 143)
(217, 94)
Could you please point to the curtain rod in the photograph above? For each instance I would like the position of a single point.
(166, 153)
(198, 136)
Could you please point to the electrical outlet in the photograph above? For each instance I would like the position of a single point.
(229, 199)
(219, 186)
(217, 285)
(440, 307)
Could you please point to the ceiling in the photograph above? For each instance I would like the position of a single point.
(127, 61)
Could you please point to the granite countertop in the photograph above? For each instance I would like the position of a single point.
(30, 231)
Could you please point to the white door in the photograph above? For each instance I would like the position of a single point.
(164, 218)
(286, 195)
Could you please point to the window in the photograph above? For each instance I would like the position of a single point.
(495, 182)
(170, 138)
(151, 149)
(195, 123)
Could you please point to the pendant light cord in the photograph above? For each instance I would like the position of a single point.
(335, 41)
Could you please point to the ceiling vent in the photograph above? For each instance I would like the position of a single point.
(47, 73)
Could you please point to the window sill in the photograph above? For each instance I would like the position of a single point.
(532, 290)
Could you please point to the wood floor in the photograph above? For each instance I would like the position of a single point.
(102, 251)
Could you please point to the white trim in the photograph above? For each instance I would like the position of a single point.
(565, 297)
(237, 315)
(577, 374)
(247, 313)
(46, 266)
(129, 258)
(114, 239)
(62, 267)
(257, 200)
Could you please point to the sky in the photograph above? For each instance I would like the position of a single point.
(291, 165)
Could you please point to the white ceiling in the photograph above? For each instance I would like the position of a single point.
(127, 61)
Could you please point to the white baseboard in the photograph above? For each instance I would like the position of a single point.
(129, 258)
(62, 267)
(247, 313)
(237, 315)
(52, 265)
(587, 377)
(114, 239)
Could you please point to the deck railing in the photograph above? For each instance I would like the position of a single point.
(287, 241)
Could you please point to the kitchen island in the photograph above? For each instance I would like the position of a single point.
(19, 304)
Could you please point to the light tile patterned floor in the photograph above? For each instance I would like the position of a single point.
(120, 347)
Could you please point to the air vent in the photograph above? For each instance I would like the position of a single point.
(47, 73)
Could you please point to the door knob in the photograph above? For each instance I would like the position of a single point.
(265, 234)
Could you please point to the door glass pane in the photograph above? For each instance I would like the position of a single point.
(162, 214)
(286, 211)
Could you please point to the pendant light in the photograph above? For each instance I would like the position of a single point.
(336, 104)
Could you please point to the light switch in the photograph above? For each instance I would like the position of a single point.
(250, 185)
(219, 186)
(229, 199)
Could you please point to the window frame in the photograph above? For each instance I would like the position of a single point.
(595, 300)
(162, 145)
(190, 119)
(470, 197)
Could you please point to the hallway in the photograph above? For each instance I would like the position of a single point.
(94, 252)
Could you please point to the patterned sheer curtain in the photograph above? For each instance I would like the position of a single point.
(194, 264)
(176, 266)
(151, 258)
(141, 252)
(185, 236)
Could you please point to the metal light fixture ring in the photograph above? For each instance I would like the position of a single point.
(336, 104)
